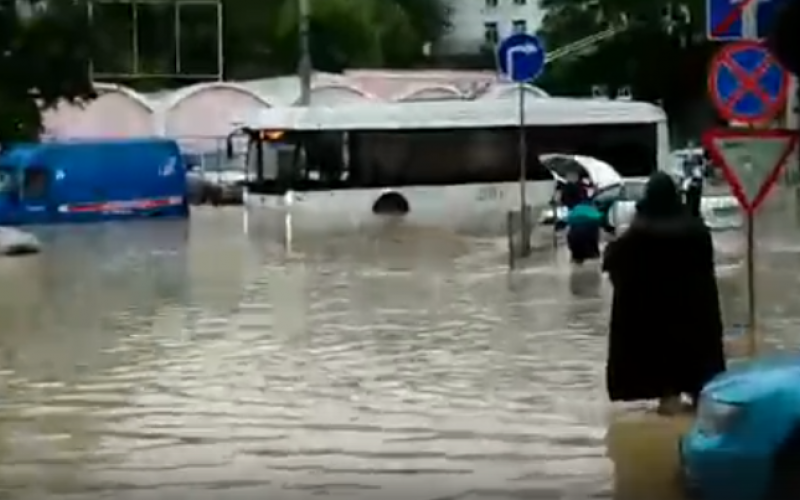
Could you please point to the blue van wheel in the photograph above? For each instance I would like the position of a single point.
(785, 481)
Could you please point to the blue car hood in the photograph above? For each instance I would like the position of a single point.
(755, 379)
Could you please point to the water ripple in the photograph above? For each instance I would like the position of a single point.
(207, 363)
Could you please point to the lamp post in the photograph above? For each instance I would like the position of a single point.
(305, 66)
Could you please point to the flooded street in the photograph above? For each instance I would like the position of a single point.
(166, 360)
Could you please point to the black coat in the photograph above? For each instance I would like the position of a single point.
(666, 325)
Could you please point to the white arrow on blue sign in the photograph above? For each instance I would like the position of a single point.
(521, 57)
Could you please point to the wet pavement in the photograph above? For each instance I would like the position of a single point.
(165, 360)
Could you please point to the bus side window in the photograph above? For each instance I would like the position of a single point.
(35, 183)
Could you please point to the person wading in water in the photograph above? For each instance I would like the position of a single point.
(583, 221)
(666, 328)
(693, 183)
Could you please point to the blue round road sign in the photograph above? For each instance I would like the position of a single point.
(521, 57)
(747, 84)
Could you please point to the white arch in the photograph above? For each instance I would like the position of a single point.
(436, 87)
(180, 95)
(504, 90)
(128, 92)
(351, 89)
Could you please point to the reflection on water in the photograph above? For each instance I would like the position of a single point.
(164, 360)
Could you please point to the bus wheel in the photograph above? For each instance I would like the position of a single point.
(391, 204)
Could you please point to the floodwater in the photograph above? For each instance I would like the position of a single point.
(172, 360)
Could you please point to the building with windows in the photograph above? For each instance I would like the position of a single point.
(478, 23)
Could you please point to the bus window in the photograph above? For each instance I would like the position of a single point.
(464, 156)
(392, 158)
(631, 149)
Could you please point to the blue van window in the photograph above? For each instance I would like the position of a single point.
(7, 180)
(36, 182)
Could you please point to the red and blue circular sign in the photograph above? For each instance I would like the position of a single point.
(747, 84)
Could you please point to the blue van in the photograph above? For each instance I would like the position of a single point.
(92, 181)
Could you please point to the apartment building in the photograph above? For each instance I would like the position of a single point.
(477, 23)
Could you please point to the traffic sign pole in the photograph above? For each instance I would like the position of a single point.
(523, 167)
(732, 150)
(752, 162)
(521, 59)
(750, 262)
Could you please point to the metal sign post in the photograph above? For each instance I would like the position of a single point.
(749, 86)
(750, 277)
(305, 67)
(752, 161)
(521, 59)
(523, 170)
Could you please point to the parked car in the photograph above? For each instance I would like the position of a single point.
(616, 196)
(745, 441)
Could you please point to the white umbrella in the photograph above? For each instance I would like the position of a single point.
(599, 172)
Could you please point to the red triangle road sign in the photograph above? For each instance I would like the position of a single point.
(751, 160)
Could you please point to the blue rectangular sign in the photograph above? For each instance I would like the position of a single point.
(717, 11)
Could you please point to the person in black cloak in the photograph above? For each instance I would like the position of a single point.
(666, 324)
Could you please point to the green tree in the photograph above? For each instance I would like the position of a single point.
(44, 56)
(262, 36)
(660, 50)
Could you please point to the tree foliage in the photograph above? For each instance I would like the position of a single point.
(345, 33)
(44, 56)
(783, 40)
(47, 47)
(659, 51)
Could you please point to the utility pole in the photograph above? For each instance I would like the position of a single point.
(305, 67)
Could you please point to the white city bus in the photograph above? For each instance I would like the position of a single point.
(452, 164)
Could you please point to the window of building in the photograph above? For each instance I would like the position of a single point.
(519, 26)
(491, 34)
(491, 3)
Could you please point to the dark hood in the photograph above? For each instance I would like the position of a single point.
(662, 199)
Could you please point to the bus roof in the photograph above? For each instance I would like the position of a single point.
(24, 155)
(19, 154)
(455, 114)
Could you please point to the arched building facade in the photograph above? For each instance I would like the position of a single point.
(203, 113)
(118, 111)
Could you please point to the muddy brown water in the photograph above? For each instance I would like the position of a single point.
(172, 360)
